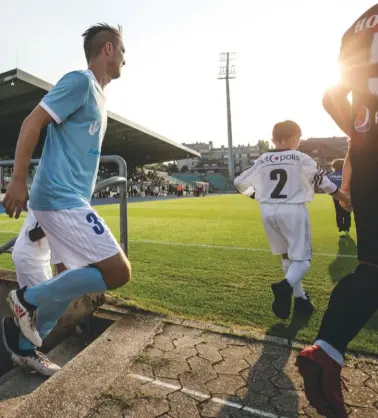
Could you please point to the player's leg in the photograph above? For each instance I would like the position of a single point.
(339, 216)
(352, 303)
(85, 242)
(294, 224)
(347, 221)
(298, 231)
(282, 291)
(32, 262)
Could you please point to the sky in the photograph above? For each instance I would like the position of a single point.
(286, 53)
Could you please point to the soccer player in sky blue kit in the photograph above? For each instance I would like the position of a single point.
(75, 115)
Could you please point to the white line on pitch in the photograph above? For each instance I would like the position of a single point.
(227, 247)
(253, 411)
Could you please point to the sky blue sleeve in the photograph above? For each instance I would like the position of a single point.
(69, 94)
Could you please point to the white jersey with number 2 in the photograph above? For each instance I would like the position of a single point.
(284, 176)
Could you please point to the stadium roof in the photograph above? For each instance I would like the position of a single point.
(20, 92)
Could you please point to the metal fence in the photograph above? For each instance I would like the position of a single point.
(120, 181)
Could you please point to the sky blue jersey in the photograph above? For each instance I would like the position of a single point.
(67, 172)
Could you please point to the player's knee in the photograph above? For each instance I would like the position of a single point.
(116, 271)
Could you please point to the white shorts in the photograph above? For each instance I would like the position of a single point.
(287, 227)
(32, 259)
(80, 236)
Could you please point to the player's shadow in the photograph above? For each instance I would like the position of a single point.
(342, 265)
(270, 386)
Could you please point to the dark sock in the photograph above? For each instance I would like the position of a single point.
(20, 295)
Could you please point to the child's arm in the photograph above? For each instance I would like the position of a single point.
(243, 182)
(319, 178)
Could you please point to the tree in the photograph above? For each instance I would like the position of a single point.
(263, 146)
(172, 168)
(184, 168)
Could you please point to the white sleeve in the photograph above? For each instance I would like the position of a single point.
(244, 182)
(317, 176)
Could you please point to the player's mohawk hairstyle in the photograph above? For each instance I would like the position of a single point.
(94, 41)
(284, 130)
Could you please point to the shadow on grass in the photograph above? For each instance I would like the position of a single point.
(341, 266)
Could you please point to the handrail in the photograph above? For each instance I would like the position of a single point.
(120, 181)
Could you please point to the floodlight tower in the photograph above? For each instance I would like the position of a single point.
(226, 72)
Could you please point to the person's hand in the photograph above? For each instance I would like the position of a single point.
(346, 203)
(16, 197)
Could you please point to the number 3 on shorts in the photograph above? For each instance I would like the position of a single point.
(98, 227)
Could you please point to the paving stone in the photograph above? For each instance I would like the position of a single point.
(182, 406)
(209, 352)
(147, 408)
(179, 331)
(109, 409)
(372, 383)
(210, 409)
(215, 340)
(125, 388)
(143, 369)
(368, 367)
(199, 374)
(170, 369)
(355, 377)
(311, 412)
(254, 400)
(163, 342)
(290, 402)
(236, 351)
(260, 369)
(286, 360)
(288, 380)
(360, 396)
(231, 366)
(187, 341)
(152, 352)
(154, 390)
(364, 413)
(225, 384)
(181, 353)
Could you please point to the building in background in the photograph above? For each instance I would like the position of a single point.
(325, 150)
(216, 159)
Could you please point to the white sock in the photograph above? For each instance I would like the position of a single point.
(298, 291)
(331, 351)
(296, 271)
(285, 265)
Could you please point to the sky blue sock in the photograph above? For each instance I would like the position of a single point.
(47, 317)
(66, 286)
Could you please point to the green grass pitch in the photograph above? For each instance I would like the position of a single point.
(208, 259)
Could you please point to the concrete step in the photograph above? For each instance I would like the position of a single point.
(73, 391)
(19, 383)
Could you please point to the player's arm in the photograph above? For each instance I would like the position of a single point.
(65, 98)
(244, 183)
(17, 193)
(318, 178)
(347, 174)
(335, 99)
(337, 105)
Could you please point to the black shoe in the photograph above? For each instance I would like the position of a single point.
(303, 306)
(282, 299)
